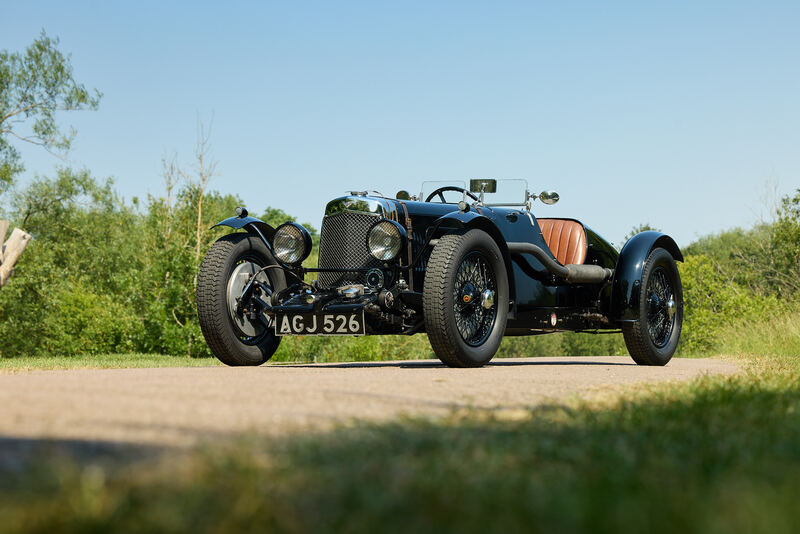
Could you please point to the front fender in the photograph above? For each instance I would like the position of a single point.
(627, 281)
(242, 222)
(473, 220)
(266, 233)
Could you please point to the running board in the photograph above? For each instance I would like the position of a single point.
(572, 274)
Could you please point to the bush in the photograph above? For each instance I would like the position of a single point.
(714, 302)
(104, 276)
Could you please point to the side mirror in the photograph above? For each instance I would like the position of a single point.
(403, 195)
(483, 186)
(548, 197)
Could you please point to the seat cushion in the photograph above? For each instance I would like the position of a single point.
(566, 239)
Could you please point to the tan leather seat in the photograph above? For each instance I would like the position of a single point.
(566, 239)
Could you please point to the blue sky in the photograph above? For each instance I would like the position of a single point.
(680, 114)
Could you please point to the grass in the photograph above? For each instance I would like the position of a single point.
(718, 454)
(721, 454)
(777, 336)
(99, 361)
(308, 349)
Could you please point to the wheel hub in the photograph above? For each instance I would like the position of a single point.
(655, 302)
(467, 293)
(659, 305)
(670, 308)
(236, 283)
(487, 299)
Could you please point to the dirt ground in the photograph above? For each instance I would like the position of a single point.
(186, 406)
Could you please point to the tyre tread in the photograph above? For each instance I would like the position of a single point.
(636, 344)
(434, 294)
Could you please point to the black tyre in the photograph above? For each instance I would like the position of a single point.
(465, 299)
(232, 336)
(653, 338)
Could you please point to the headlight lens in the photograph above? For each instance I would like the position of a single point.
(386, 239)
(291, 243)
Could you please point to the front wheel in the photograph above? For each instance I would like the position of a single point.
(465, 299)
(653, 337)
(231, 333)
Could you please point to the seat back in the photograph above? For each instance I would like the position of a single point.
(566, 240)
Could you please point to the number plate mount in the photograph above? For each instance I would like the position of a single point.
(320, 324)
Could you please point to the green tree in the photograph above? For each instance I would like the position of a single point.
(275, 216)
(784, 248)
(765, 259)
(638, 229)
(34, 87)
(81, 289)
(713, 302)
(740, 255)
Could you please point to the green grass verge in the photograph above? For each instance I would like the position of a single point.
(776, 336)
(99, 361)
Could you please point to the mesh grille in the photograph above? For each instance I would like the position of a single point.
(343, 245)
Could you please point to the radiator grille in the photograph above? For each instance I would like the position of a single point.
(417, 241)
(342, 245)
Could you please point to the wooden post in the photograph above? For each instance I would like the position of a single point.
(3, 230)
(11, 251)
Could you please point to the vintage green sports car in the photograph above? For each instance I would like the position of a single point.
(452, 264)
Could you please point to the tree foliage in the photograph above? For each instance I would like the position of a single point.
(764, 259)
(105, 276)
(638, 229)
(741, 276)
(34, 87)
(784, 248)
(714, 302)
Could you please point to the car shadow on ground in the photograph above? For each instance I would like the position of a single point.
(427, 364)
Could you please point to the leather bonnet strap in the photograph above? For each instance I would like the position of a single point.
(409, 230)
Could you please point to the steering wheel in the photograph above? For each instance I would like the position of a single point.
(450, 188)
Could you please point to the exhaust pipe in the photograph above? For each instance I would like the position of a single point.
(572, 274)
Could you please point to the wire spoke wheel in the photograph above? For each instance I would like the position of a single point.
(473, 278)
(653, 334)
(465, 299)
(661, 307)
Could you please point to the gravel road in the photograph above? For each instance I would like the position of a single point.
(183, 406)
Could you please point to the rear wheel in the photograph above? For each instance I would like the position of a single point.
(653, 337)
(232, 334)
(465, 299)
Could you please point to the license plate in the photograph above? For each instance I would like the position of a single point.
(322, 324)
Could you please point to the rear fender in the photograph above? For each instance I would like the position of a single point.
(627, 280)
(470, 220)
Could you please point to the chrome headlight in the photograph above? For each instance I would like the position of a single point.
(291, 243)
(386, 239)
